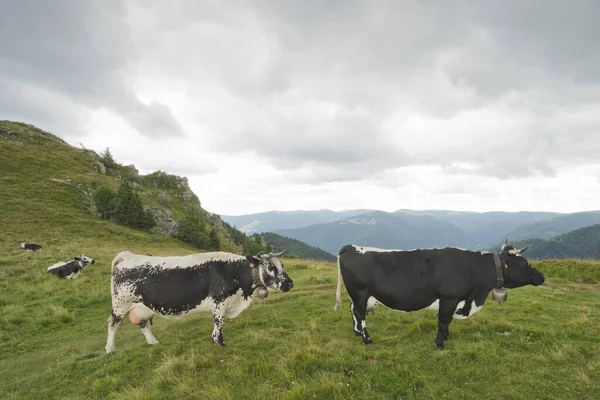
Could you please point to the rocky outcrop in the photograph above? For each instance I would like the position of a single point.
(165, 223)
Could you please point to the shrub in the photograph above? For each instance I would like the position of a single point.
(104, 202)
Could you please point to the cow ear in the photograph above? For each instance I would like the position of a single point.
(254, 262)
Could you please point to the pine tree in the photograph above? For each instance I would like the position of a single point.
(213, 240)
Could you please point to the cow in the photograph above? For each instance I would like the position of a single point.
(454, 282)
(30, 246)
(70, 269)
(223, 283)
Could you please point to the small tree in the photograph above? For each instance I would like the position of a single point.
(104, 201)
(107, 156)
(192, 229)
(213, 240)
(129, 209)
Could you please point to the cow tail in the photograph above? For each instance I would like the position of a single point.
(338, 293)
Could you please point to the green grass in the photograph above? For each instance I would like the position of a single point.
(543, 343)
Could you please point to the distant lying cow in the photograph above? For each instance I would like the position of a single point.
(30, 246)
(221, 283)
(70, 269)
(454, 282)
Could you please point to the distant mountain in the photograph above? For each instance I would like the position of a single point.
(271, 221)
(380, 229)
(488, 228)
(296, 248)
(407, 229)
(558, 225)
(580, 243)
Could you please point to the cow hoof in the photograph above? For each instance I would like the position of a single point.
(368, 340)
(439, 347)
(154, 342)
(110, 351)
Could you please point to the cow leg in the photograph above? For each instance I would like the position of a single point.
(445, 313)
(145, 328)
(218, 311)
(358, 317)
(113, 324)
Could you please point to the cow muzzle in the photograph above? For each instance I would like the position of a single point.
(286, 285)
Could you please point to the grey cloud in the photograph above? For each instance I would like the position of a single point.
(77, 50)
(327, 86)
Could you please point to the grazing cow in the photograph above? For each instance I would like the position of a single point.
(454, 282)
(31, 246)
(70, 269)
(223, 283)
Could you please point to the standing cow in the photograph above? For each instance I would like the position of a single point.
(454, 282)
(223, 283)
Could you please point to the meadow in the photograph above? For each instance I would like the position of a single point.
(543, 343)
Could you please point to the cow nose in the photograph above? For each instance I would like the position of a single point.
(287, 285)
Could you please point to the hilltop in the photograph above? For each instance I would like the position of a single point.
(45, 181)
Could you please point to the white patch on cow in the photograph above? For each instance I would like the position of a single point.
(131, 260)
(435, 306)
(365, 249)
(236, 304)
(372, 305)
(474, 308)
(150, 339)
(57, 265)
(74, 275)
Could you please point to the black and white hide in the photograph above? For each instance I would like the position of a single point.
(70, 269)
(222, 283)
(30, 246)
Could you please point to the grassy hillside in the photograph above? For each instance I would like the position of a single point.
(296, 248)
(42, 177)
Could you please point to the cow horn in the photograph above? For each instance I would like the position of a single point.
(279, 254)
(519, 251)
(504, 245)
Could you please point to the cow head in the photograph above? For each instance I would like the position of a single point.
(85, 260)
(517, 271)
(271, 271)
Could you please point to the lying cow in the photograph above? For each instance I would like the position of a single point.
(452, 281)
(70, 269)
(30, 246)
(223, 283)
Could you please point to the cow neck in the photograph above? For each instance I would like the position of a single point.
(499, 276)
(256, 281)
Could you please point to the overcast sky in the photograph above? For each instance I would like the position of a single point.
(287, 105)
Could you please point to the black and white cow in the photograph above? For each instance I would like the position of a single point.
(30, 246)
(222, 283)
(454, 282)
(70, 269)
